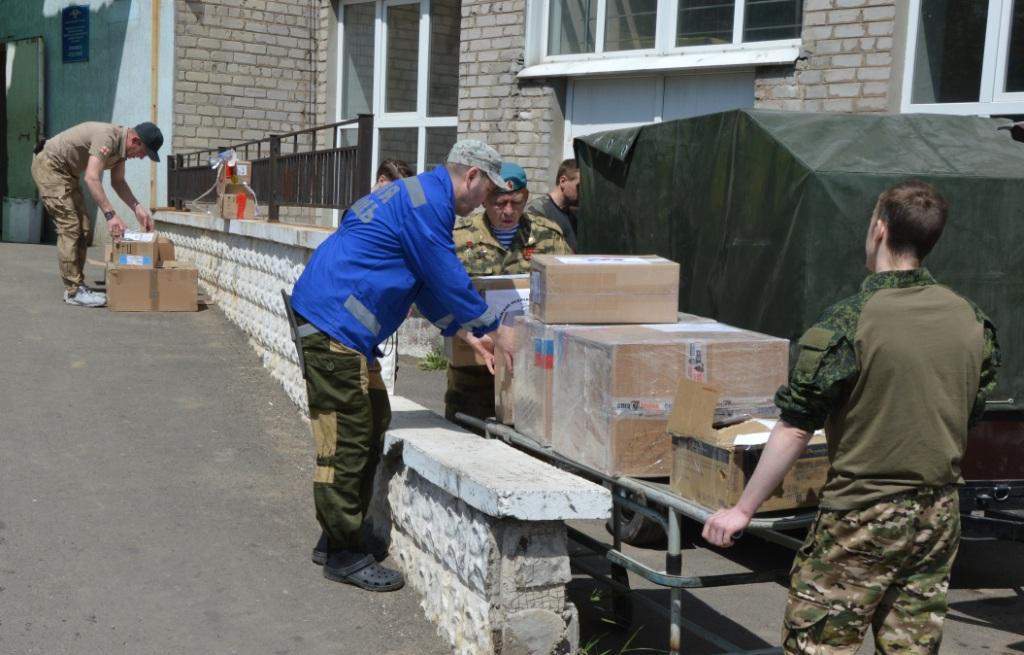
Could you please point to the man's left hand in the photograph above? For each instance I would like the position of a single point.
(724, 525)
(145, 220)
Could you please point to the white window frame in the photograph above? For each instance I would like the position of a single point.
(664, 56)
(991, 100)
(386, 120)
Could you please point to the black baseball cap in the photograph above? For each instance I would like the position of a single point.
(151, 137)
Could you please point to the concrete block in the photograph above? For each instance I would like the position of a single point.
(844, 90)
(879, 13)
(874, 73)
(880, 28)
(841, 75)
(878, 59)
(844, 16)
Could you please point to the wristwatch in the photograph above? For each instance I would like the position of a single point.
(109, 215)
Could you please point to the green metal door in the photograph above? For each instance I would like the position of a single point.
(23, 116)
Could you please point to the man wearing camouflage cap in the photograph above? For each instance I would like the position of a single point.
(393, 248)
(89, 149)
(499, 240)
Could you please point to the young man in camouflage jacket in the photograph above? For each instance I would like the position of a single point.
(499, 240)
(896, 374)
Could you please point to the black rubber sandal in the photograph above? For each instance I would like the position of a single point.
(367, 574)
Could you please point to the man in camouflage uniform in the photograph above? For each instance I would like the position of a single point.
(896, 374)
(86, 150)
(478, 244)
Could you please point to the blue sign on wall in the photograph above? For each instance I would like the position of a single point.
(74, 27)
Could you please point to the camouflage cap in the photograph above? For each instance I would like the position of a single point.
(470, 152)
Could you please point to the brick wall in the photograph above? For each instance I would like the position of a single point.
(522, 119)
(248, 68)
(846, 62)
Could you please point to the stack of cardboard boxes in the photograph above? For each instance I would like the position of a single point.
(143, 276)
(235, 198)
(601, 354)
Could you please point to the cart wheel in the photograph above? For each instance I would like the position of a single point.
(636, 529)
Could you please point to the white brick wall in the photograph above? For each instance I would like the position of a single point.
(520, 118)
(246, 69)
(847, 62)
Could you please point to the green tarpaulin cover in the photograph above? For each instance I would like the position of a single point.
(767, 212)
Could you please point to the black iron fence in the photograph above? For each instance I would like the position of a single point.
(288, 170)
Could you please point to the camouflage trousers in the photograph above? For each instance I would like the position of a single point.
(349, 412)
(886, 566)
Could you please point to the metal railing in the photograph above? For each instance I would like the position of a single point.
(288, 170)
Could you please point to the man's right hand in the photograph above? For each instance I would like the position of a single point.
(115, 226)
(505, 339)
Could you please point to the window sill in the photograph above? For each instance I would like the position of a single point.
(704, 59)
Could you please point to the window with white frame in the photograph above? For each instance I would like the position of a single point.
(965, 57)
(399, 60)
(570, 30)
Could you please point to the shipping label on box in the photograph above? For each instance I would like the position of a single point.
(604, 289)
(711, 467)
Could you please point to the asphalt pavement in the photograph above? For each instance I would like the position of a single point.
(156, 490)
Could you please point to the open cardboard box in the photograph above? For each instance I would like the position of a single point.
(507, 296)
(711, 466)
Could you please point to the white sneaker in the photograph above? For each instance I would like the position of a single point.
(86, 298)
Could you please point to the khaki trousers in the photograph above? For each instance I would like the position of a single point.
(62, 197)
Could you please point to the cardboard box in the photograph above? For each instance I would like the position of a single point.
(711, 467)
(539, 359)
(507, 296)
(236, 201)
(504, 400)
(171, 288)
(614, 388)
(139, 253)
(605, 289)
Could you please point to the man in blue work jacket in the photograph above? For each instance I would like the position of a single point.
(393, 248)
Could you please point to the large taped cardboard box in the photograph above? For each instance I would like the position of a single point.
(605, 289)
(540, 363)
(172, 288)
(507, 296)
(613, 391)
(711, 467)
(504, 400)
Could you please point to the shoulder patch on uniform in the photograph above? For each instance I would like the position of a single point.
(817, 338)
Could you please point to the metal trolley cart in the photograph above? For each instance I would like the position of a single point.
(986, 513)
(657, 504)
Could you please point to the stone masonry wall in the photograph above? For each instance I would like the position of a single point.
(846, 61)
(491, 586)
(522, 119)
(247, 68)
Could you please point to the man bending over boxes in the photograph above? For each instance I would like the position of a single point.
(393, 248)
(896, 374)
(500, 240)
(89, 148)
